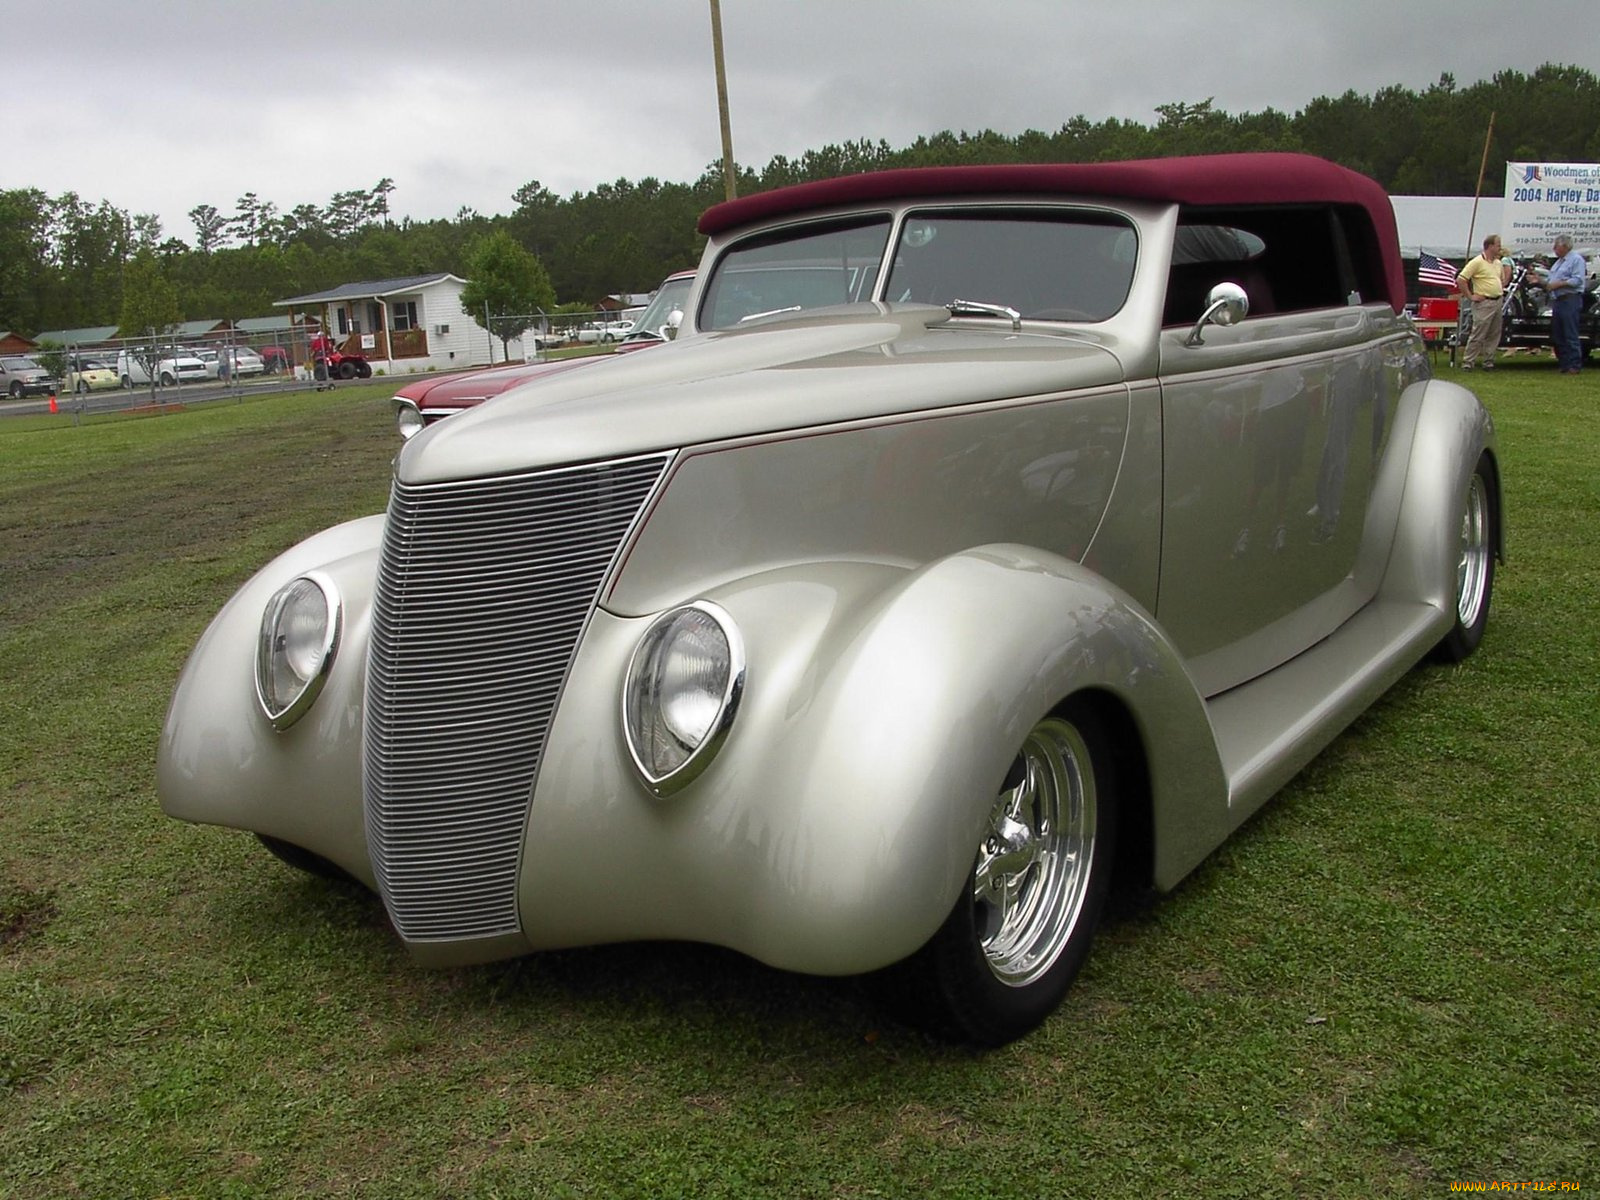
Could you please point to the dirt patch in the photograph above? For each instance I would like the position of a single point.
(23, 914)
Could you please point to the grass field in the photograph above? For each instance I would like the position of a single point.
(1386, 982)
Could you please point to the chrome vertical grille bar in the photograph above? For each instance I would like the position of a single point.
(484, 589)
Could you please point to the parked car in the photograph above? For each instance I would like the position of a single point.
(435, 397)
(223, 362)
(984, 531)
(86, 374)
(661, 317)
(172, 366)
(243, 362)
(604, 331)
(21, 376)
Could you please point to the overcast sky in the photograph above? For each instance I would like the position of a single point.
(160, 105)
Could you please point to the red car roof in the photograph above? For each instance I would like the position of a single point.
(1203, 180)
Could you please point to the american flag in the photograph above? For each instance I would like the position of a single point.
(1436, 271)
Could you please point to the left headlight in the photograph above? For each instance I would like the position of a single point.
(408, 418)
(299, 638)
(681, 693)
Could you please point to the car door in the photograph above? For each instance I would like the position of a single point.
(1273, 431)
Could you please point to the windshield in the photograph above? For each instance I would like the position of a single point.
(793, 269)
(1066, 265)
(22, 364)
(670, 296)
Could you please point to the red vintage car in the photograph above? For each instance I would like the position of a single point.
(438, 396)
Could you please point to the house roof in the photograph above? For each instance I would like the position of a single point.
(274, 324)
(370, 289)
(78, 337)
(189, 329)
(1232, 180)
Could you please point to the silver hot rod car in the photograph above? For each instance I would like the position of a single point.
(977, 519)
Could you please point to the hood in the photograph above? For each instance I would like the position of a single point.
(472, 387)
(854, 362)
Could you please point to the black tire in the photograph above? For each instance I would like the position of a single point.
(364, 370)
(1480, 539)
(1021, 929)
(16, 391)
(347, 370)
(168, 380)
(82, 388)
(302, 859)
(127, 383)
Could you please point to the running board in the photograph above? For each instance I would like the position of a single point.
(1271, 727)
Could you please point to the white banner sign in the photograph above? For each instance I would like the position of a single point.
(1544, 199)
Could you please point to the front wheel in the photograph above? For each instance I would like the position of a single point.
(168, 380)
(1474, 566)
(1021, 929)
(302, 859)
(16, 391)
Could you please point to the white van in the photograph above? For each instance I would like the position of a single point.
(173, 367)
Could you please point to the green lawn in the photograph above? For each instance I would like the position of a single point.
(1386, 982)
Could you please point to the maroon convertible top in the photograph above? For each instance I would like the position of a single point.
(1202, 180)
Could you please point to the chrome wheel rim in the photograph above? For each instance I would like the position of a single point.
(1032, 873)
(1472, 571)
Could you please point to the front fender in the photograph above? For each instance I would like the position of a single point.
(881, 711)
(220, 761)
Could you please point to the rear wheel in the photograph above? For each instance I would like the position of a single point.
(1474, 567)
(1022, 927)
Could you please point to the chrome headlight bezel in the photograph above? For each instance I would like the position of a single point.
(642, 707)
(284, 710)
(408, 418)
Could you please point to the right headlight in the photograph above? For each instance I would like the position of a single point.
(681, 693)
(299, 638)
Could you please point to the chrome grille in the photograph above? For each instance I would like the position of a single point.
(483, 591)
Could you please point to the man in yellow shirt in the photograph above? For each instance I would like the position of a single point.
(1482, 283)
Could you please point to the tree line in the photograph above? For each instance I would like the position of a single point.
(67, 262)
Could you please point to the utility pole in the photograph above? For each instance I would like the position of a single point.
(728, 181)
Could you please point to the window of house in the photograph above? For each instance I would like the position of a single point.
(404, 314)
(344, 322)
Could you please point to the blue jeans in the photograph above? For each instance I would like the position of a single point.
(1564, 332)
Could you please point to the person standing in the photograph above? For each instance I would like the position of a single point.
(1564, 283)
(1482, 283)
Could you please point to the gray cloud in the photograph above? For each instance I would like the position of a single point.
(159, 109)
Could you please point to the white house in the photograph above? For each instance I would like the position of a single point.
(402, 325)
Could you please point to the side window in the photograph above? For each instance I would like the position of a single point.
(1288, 259)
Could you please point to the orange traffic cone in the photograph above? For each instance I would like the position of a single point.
(53, 407)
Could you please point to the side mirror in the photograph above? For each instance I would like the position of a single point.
(674, 319)
(1225, 304)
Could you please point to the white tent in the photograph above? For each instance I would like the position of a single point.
(1444, 225)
